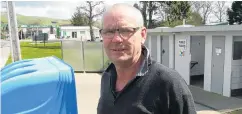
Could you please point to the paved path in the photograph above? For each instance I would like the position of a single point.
(4, 52)
(88, 88)
(215, 101)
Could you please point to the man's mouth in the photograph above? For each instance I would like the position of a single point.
(116, 50)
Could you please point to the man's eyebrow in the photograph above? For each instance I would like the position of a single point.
(109, 28)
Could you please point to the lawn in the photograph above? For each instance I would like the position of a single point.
(72, 54)
(30, 51)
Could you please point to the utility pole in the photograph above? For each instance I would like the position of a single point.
(13, 32)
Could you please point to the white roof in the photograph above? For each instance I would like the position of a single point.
(199, 29)
(184, 26)
(162, 27)
(77, 27)
(218, 23)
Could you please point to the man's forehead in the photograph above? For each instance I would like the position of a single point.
(119, 23)
(119, 19)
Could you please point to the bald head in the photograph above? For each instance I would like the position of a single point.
(124, 10)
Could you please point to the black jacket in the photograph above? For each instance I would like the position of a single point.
(156, 89)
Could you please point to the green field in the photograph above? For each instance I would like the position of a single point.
(92, 54)
(34, 20)
(30, 51)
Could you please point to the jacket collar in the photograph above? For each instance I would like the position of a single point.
(144, 68)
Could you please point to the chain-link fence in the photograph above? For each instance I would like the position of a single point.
(84, 56)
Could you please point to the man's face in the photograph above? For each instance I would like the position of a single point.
(125, 44)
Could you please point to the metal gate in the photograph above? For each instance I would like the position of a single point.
(84, 56)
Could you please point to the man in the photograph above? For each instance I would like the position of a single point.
(133, 83)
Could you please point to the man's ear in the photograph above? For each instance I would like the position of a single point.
(143, 34)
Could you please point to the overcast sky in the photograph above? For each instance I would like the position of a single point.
(53, 9)
(62, 9)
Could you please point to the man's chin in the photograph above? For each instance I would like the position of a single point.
(119, 59)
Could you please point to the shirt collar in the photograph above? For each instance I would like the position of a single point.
(144, 68)
(145, 62)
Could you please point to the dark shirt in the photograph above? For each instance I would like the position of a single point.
(156, 89)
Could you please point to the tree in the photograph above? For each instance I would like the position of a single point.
(204, 8)
(235, 13)
(164, 12)
(196, 6)
(144, 11)
(148, 10)
(220, 10)
(151, 10)
(78, 18)
(176, 11)
(180, 10)
(195, 19)
(161, 11)
(92, 10)
(136, 6)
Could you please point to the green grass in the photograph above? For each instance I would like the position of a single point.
(30, 51)
(92, 53)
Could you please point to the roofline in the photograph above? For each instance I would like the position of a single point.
(77, 27)
(199, 29)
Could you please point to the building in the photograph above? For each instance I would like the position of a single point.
(209, 57)
(79, 32)
(30, 31)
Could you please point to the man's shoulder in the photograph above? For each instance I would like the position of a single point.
(171, 79)
(108, 72)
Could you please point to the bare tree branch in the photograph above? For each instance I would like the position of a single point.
(206, 10)
(220, 10)
(91, 10)
(97, 3)
(100, 12)
(196, 6)
(84, 8)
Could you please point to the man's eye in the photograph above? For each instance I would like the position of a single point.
(126, 30)
(108, 31)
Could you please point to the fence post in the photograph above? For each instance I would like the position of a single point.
(83, 58)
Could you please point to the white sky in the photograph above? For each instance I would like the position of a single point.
(53, 9)
(62, 9)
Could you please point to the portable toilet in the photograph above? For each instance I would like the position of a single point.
(38, 86)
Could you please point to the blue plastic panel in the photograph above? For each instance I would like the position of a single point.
(38, 86)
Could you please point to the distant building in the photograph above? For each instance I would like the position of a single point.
(31, 30)
(79, 32)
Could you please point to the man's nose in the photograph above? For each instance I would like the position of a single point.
(117, 37)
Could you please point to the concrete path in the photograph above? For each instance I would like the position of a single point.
(88, 88)
(215, 101)
(4, 52)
